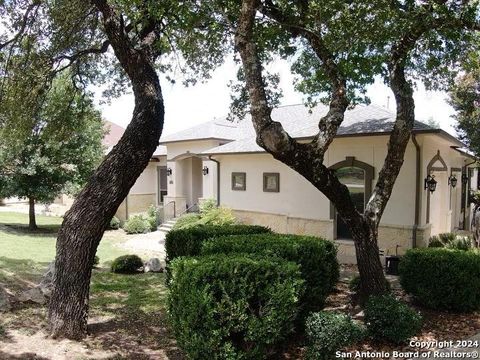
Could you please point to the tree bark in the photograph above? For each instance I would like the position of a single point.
(86, 221)
(307, 159)
(32, 223)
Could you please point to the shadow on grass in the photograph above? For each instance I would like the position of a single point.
(22, 229)
(129, 315)
(24, 356)
(20, 274)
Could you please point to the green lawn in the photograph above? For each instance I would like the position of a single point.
(17, 242)
(125, 309)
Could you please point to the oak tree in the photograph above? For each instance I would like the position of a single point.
(337, 48)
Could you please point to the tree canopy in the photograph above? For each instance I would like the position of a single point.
(59, 153)
(465, 99)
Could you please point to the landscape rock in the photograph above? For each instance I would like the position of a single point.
(359, 316)
(34, 295)
(153, 265)
(4, 301)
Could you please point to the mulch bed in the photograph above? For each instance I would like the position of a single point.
(439, 326)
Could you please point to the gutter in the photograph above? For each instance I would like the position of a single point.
(218, 178)
(417, 191)
(465, 203)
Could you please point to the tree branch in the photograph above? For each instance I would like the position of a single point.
(328, 124)
(23, 26)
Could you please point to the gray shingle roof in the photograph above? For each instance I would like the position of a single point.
(215, 129)
(301, 122)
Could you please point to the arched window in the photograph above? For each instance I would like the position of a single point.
(358, 177)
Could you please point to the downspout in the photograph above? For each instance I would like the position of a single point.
(467, 194)
(218, 177)
(417, 191)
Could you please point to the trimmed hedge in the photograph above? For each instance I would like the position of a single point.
(188, 242)
(389, 319)
(317, 259)
(442, 279)
(233, 307)
(126, 264)
(328, 332)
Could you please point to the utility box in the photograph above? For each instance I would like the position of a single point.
(391, 264)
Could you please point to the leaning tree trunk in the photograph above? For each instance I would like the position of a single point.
(90, 214)
(32, 223)
(85, 223)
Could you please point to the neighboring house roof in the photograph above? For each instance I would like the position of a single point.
(113, 135)
(302, 123)
(220, 129)
(160, 151)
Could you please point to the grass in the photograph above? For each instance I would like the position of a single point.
(124, 309)
(18, 242)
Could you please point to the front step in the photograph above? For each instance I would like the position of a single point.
(167, 226)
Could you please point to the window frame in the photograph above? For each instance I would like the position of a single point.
(265, 182)
(239, 188)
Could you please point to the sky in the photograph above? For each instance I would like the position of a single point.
(186, 107)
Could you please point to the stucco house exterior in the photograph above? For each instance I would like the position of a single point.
(221, 160)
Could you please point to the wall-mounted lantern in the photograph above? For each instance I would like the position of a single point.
(169, 171)
(430, 183)
(452, 180)
(464, 179)
(205, 170)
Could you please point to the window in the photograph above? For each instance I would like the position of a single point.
(354, 179)
(239, 181)
(162, 183)
(271, 182)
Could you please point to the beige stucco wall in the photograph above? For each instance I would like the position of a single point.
(391, 239)
(298, 198)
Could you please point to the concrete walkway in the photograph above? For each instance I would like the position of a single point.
(153, 241)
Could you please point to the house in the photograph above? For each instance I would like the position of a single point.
(221, 160)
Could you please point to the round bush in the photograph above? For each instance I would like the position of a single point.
(317, 259)
(233, 307)
(328, 332)
(137, 224)
(126, 264)
(442, 279)
(389, 319)
(114, 223)
(96, 261)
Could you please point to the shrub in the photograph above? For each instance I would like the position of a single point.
(186, 221)
(153, 217)
(126, 264)
(114, 224)
(354, 284)
(137, 224)
(209, 214)
(463, 243)
(442, 279)
(188, 242)
(450, 241)
(328, 332)
(389, 319)
(96, 261)
(232, 307)
(317, 259)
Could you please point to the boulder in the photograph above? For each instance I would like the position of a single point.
(33, 295)
(153, 265)
(4, 301)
